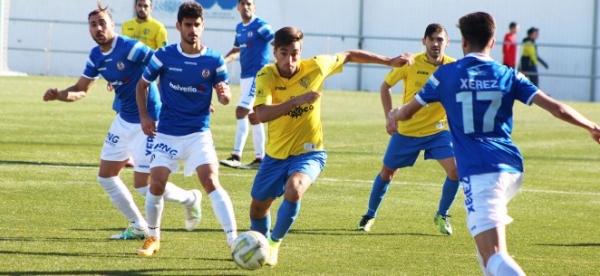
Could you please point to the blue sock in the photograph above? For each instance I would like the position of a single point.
(261, 225)
(378, 191)
(449, 191)
(288, 211)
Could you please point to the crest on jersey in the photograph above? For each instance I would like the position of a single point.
(120, 65)
(205, 73)
(146, 31)
(305, 82)
(250, 34)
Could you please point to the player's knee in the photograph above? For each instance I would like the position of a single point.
(387, 174)
(259, 209)
(241, 112)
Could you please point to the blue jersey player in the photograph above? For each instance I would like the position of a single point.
(251, 44)
(478, 95)
(120, 61)
(187, 72)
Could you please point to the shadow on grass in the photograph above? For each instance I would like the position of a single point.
(172, 230)
(571, 244)
(353, 232)
(62, 164)
(105, 255)
(133, 272)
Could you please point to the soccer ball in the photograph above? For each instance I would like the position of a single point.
(250, 250)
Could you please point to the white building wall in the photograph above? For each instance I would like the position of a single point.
(560, 23)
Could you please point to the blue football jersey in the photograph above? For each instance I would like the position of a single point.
(122, 67)
(253, 40)
(478, 95)
(186, 85)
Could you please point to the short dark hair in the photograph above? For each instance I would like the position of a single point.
(532, 30)
(477, 28)
(189, 9)
(99, 10)
(135, 2)
(434, 28)
(286, 36)
(512, 25)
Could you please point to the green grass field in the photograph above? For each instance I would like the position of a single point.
(55, 219)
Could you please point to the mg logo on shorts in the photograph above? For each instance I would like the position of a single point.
(468, 195)
(149, 145)
(165, 149)
(112, 139)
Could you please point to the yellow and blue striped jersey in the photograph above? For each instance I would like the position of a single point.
(300, 130)
(430, 119)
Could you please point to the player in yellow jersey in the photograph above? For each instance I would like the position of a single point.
(426, 131)
(288, 99)
(145, 28)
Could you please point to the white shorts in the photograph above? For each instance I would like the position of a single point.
(195, 149)
(247, 98)
(126, 140)
(486, 197)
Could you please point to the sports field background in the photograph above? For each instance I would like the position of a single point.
(55, 219)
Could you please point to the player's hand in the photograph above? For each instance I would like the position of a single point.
(393, 114)
(109, 87)
(212, 108)
(51, 94)
(403, 59)
(148, 126)
(391, 126)
(308, 98)
(223, 92)
(595, 133)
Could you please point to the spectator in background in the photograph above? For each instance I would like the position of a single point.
(509, 48)
(530, 58)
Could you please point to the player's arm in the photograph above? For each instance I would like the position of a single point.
(72, 93)
(385, 91)
(232, 54)
(405, 112)
(361, 56)
(566, 113)
(267, 113)
(141, 97)
(161, 37)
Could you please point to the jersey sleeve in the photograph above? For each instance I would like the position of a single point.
(154, 68)
(140, 54)
(330, 64)
(221, 72)
(524, 89)
(395, 75)
(161, 37)
(266, 32)
(429, 93)
(263, 89)
(90, 71)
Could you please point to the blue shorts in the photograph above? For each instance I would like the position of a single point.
(273, 173)
(403, 151)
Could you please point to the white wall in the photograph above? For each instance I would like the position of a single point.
(561, 22)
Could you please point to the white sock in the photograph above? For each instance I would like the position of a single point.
(223, 208)
(121, 197)
(174, 193)
(240, 136)
(154, 208)
(258, 136)
(502, 264)
(481, 265)
(143, 190)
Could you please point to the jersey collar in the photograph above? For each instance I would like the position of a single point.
(202, 52)
(480, 56)
(250, 22)
(112, 45)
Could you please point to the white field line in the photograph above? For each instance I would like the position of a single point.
(329, 179)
